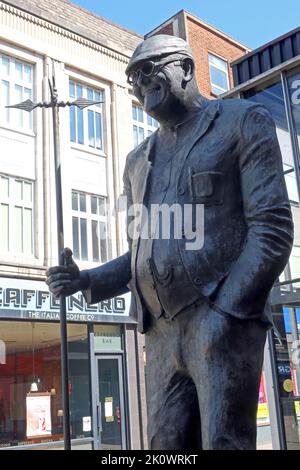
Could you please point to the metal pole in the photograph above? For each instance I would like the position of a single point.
(62, 298)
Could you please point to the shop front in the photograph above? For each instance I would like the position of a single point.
(270, 76)
(99, 349)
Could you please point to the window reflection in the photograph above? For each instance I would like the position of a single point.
(30, 383)
(272, 98)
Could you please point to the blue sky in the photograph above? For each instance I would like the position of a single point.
(252, 22)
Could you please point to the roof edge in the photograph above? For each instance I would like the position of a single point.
(221, 33)
(265, 46)
(90, 37)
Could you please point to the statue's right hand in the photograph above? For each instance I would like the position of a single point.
(65, 279)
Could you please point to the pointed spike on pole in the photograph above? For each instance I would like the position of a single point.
(27, 105)
(84, 103)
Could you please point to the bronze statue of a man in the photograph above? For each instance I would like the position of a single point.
(204, 310)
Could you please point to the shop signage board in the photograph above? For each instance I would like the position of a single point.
(22, 298)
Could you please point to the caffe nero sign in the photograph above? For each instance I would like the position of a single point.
(31, 300)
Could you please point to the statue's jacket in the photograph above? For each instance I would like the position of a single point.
(232, 165)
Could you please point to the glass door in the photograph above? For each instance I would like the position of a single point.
(110, 403)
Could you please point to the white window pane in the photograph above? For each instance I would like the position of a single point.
(98, 125)
(135, 136)
(75, 237)
(78, 91)
(17, 233)
(28, 73)
(222, 64)
(98, 97)
(149, 120)
(19, 70)
(72, 124)
(94, 207)
(82, 202)
(74, 201)
(218, 78)
(90, 94)
(102, 209)
(19, 98)
(95, 240)
(217, 91)
(4, 224)
(27, 231)
(140, 114)
(83, 239)
(79, 126)
(72, 89)
(4, 188)
(141, 134)
(27, 192)
(5, 114)
(91, 130)
(27, 117)
(5, 66)
(18, 190)
(134, 113)
(103, 242)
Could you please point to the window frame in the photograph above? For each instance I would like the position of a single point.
(15, 117)
(100, 109)
(13, 202)
(212, 85)
(89, 217)
(144, 125)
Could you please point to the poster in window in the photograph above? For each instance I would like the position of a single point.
(38, 414)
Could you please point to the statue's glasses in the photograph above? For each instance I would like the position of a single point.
(149, 69)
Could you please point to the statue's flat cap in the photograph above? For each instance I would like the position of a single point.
(159, 45)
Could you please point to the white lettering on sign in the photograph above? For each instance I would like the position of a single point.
(33, 298)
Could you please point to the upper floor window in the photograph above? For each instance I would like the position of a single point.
(16, 216)
(16, 86)
(143, 124)
(218, 70)
(86, 125)
(89, 226)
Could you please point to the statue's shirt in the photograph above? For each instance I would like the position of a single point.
(158, 263)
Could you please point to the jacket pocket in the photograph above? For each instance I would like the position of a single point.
(206, 187)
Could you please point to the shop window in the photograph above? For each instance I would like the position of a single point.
(271, 96)
(89, 226)
(218, 70)
(286, 339)
(30, 383)
(143, 125)
(86, 125)
(16, 79)
(16, 216)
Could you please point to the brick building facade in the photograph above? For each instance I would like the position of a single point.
(205, 41)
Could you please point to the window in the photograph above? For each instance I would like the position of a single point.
(218, 70)
(16, 216)
(86, 125)
(89, 225)
(33, 358)
(16, 86)
(143, 125)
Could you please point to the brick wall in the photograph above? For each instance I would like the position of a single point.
(167, 29)
(202, 41)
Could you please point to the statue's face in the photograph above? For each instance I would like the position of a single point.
(158, 85)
